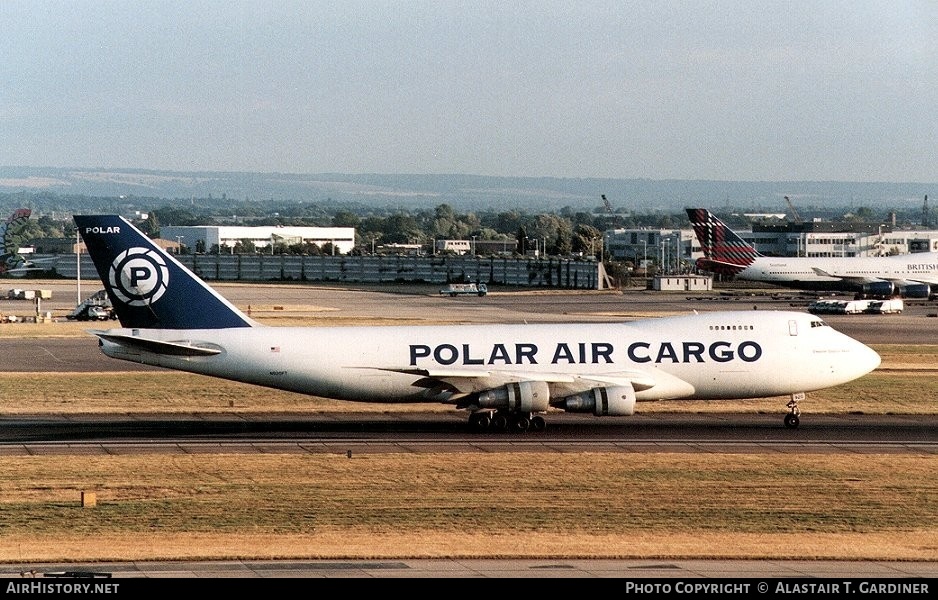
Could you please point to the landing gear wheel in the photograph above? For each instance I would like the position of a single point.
(520, 423)
(538, 423)
(791, 421)
(480, 421)
(500, 422)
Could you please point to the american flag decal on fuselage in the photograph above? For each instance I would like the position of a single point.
(725, 253)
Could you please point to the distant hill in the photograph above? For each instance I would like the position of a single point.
(463, 192)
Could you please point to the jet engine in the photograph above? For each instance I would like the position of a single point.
(615, 401)
(885, 289)
(879, 288)
(916, 290)
(523, 396)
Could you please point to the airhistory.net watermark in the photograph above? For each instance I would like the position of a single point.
(58, 587)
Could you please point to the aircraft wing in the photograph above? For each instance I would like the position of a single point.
(847, 278)
(14, 264)
(465, 381)
(174, 348)
(904, 281)
(33, 265)
(41, 263)
(901, 281)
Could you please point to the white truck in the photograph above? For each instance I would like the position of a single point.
(894, 306)
(458, 289)
(855, 307)
(20, 294)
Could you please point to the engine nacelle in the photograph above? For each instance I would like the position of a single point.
(879, 288)
(917, 290)
(615, 401)
(524, 396)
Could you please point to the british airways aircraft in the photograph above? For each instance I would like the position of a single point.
(725, 253)
(12, 263)
(506, 376)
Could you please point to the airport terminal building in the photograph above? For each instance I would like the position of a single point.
(676, 250)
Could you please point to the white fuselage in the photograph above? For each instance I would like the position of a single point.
(921, 268)
(723, 355)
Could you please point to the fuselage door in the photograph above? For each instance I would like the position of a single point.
(793, 327)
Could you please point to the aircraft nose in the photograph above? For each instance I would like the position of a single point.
(864, 358)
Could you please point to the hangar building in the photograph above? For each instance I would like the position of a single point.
(226, 236)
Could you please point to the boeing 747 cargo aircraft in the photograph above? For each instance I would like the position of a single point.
(507, 376)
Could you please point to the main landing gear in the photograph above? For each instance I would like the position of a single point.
(500, 421)
(791, 419)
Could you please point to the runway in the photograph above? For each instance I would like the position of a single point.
(363, 433)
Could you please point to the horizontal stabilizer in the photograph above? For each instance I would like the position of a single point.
(176, 348)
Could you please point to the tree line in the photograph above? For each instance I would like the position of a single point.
(569, 231)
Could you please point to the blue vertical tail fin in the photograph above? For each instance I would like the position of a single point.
(147, 286)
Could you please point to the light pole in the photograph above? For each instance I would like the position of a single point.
(78, 262)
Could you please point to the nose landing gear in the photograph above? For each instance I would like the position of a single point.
(791, 419)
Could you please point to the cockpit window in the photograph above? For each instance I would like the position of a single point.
(818, 323)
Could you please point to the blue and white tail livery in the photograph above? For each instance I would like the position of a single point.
(147, 286)
(508, 376)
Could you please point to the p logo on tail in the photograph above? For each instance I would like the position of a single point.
(148, 287)
(138, 276)
(725, 253)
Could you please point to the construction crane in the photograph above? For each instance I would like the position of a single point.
(608, 205)
(793, 211)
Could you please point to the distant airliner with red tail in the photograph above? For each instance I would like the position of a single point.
(725, 253)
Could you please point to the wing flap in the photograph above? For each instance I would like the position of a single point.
(859, 280)
(467, 381)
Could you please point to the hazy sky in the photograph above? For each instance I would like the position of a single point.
(726, 90)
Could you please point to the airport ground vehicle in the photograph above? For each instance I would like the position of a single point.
(97, 307)
(461, 289)
(93, 313)
(856, 307)
(894, 306)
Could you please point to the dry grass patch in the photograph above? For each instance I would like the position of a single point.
(405, 505)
